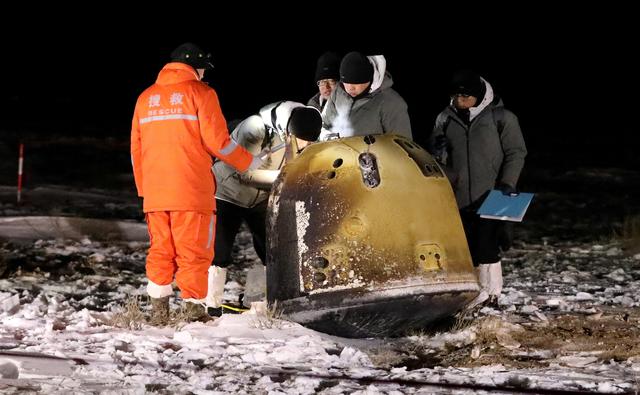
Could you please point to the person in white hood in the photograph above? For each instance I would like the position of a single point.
(364, 103)
(482, 145)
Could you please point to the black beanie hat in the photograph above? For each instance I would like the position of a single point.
(305, 123)
(193, 55)
(467, 82)
(328, 67)
(356, 68)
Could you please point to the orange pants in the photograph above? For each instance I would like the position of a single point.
(181, 245)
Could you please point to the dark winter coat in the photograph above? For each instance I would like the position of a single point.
(382, 110)
(479, 156)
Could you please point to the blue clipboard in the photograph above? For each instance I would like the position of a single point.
(505, 207)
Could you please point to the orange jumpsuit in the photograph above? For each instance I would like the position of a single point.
(177, 126)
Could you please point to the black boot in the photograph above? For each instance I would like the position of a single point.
(159, 311)
(226, 308)
(195, 312)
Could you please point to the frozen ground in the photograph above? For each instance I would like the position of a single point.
(569, 320)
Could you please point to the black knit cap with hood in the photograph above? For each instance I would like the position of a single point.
(467, 82)
(356, 68)
(193, 55)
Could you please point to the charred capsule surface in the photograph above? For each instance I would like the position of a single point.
(375, 249)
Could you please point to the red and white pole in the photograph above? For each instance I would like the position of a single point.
(20, 162)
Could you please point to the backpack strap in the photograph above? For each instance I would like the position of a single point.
(498, 119)
(274, 115)
(270, 129)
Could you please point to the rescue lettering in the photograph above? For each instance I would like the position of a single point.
(164, 111)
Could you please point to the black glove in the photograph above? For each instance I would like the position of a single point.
(505, 235)
(507, 189)
(440, 143)
(440, 146)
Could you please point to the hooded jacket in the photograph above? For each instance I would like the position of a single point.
(265, 130)
(177, 126)
(479, 155)
(317, 101)
(381, 110)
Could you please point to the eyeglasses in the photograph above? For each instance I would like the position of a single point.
(464, 95)
(329, 82)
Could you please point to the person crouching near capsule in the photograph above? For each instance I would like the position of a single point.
(243, 197)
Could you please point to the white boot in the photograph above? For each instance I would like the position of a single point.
(490, 279)
(481, 298)
(483, 295)
(256, 285)
(494, 274)
(215, 286)
(482, 272)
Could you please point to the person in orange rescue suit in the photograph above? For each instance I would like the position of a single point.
(177, 127)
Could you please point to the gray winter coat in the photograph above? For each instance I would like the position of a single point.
(315, 102)
(479, 156)
(380, 111)
(251, 133)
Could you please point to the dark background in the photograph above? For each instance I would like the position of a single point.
(570, 75)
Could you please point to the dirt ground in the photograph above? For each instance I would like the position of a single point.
(573, 339)
(611, 335)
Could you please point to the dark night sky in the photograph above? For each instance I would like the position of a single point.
(563, 75)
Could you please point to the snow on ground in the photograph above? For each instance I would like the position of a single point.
(570, 319)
